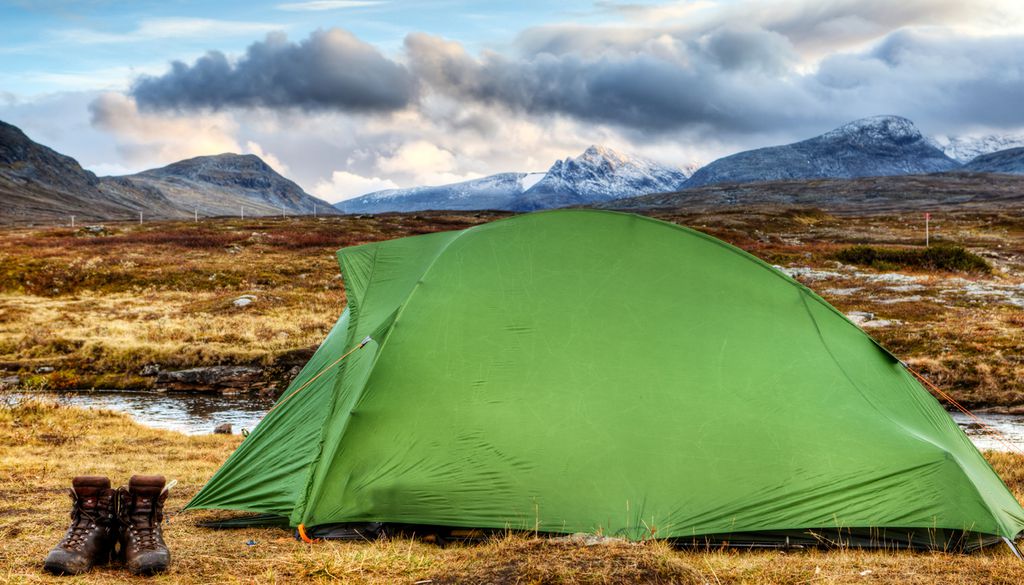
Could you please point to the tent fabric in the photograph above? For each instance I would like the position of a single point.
(591, 371)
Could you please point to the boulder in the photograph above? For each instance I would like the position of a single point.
(223, 379)
(223, 429)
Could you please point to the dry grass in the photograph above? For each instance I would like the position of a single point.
(42, 445)
(99, 308)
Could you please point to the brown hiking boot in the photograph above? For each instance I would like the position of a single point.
(92, 535)
(141, 512)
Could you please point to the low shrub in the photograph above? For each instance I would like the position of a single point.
(945, 257)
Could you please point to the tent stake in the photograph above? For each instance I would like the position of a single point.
(1013, 547)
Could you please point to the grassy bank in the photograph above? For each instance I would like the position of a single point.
(81, 308)
(43, 445)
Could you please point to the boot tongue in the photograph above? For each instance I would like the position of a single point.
(144, 490)
(89, 487)
(146, 485)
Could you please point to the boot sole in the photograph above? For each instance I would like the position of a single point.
(148, 571)
(55, 569)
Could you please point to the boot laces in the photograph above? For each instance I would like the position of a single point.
(83, 521)
(143, 527)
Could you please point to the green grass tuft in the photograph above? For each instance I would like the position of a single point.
(943, 257)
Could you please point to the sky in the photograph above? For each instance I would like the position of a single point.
(351, 96)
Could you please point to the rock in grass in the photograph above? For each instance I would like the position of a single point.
(244, 301)
(223, 429)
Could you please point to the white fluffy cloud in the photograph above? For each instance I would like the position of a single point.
(345, 185)
(269, 158)
(162, 137)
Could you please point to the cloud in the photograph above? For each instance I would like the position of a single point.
(165, 28)
(345, 185)
(427, 163)
(161, 138)
(730, 79)
(318, 5)
(700, 80)
(814, 27)
(274, 162)
(330, 70)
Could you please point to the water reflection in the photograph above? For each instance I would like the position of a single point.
(1009, 426)
(185, 412)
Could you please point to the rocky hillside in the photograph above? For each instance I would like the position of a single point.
(1010, 161)
(37, 182)
(876, 146)
(599, 174)
(224, 183)
(40, 184)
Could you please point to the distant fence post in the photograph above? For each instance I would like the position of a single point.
(927, 229)
(140, 218)
(72, 222)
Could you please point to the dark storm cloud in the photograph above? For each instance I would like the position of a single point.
(700, 82)
(329, 70)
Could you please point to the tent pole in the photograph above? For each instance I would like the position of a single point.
(1013, 547)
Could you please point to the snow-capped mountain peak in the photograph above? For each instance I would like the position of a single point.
(876, 129)
(597, 174)
(874, 146)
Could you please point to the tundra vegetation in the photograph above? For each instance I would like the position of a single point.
(100, 307)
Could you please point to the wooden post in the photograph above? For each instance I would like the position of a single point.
(140, 218)
(72, 222)
(927, 229)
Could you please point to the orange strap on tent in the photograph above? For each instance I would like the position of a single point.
(361, 345)
(302, 534)
(995, 432)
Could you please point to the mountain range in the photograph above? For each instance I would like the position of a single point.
(599, 174)
(869, 147)
(37, 182)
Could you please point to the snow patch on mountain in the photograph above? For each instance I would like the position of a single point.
(964, 149)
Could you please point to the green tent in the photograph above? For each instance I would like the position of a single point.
(589, 371)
